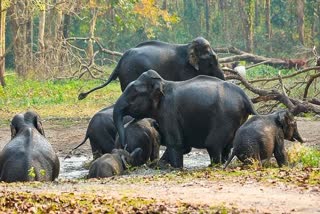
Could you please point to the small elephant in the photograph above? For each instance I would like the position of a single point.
(174, 62)
(203, 112)
(114, 163)
(142, 134)
(102, 132)
(28, 156)
(263, 135)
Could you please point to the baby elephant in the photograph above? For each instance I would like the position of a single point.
(28, 156)
(263, 135)
(112, 164)
(142, 134)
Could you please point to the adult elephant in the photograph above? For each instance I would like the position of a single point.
(28, 156)
(102, 132)
(172, 61)
(203, 112)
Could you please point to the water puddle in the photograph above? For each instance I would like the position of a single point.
(74, 167)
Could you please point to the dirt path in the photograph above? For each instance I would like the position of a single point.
(238, 194)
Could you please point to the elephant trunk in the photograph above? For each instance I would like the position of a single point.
(118, 114)
(297, 136)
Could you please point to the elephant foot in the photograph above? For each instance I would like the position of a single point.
(160, 164)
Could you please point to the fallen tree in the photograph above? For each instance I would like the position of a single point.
(304, 104)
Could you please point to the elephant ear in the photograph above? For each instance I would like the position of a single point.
(156, 91)
(13, 131)
(284, 120)
(38, 124)
(192, 56)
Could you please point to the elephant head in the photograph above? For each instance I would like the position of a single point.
(139, 100)
(128, 159)
(203, 58)
(289, 126)
(29, 119)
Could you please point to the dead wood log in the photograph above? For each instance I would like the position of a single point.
(244, 56)
(296, 106)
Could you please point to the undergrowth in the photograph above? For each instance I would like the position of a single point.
(54, 98)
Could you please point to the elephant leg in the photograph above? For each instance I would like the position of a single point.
(226, 152)
(96, 150)
(280, 154)
(175, 157)
(218, 144)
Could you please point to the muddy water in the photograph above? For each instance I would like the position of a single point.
(75, 167)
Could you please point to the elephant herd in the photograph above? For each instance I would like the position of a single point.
(173, 95)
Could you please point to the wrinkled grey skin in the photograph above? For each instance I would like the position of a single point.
(172, 62)
(114, 163)
(203, 112)
(28, 156)
(101, 132)
(142, 134)
(263, 135)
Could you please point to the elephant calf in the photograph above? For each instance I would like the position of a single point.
(113, 163)
(263, 135)
(28, 156)
(142, 134)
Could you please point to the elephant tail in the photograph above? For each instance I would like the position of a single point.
(114, 75)
(250, 107)
(84, 140)
(229, 160)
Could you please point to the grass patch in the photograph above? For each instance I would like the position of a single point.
(301, 155)
(26, 202)
(54, 98)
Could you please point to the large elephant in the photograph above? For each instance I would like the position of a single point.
(263, 135)
(102, 132)
(142, 134)
(172, 61)
(28, 156)
(114, 163)
(203, 112)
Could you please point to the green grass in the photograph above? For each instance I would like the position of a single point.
(54, 98)
(299, 154)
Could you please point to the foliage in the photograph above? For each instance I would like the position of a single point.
(26, 202)
(299, 154)
(54, 98)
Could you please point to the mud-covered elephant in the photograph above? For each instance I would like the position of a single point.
(203, 112)
(114, 163)
(142, 134)
(28, 156)
(174, 62)
(263, 135)
(102, 132)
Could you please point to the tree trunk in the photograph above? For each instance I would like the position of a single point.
(164, 5)
(18, 25)
(300, 16)
(92, 27)
(66, 25)
(2, 42)
(268, 24)
(206, 2)
(41, 43)
(247, 16)
(42, 24)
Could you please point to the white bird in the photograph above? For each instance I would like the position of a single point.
(240, 69)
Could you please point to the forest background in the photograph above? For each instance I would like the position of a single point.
(53, 38)
(63, 40)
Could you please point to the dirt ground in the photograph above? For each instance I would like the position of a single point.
(249, 196)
